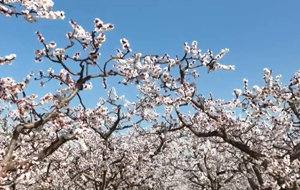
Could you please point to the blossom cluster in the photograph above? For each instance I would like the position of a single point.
(33, 9)
(170, 137)
(7, 60)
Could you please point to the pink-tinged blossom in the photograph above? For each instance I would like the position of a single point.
(167, 136)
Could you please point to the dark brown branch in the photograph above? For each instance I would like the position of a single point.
(244, 148)
(48, 168)
(258, 175)
(80, 100)
(116, 123)
(55, 145)
(157, 151)
(296, 153)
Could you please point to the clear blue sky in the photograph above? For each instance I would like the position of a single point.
(259, 34)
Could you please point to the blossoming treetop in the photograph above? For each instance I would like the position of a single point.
(249, 142)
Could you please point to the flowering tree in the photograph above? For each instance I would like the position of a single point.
(30, 12)
(195, 142)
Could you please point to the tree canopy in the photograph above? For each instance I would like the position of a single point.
(170, 137)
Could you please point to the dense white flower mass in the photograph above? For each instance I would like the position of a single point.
(169, 137)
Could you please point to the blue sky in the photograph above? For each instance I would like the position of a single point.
(258, 33)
